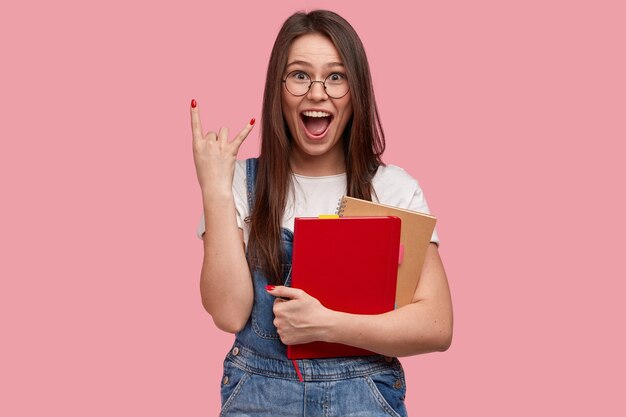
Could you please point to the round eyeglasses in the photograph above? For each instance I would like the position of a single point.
(298, 83)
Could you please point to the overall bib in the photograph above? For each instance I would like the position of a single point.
(260, 381)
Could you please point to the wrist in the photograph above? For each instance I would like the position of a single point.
(331, 329)
(217, 194)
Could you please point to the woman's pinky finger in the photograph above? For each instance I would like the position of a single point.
(244, 132)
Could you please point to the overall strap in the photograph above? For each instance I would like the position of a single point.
(251, 167)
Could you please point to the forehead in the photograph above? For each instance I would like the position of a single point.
(313, 48)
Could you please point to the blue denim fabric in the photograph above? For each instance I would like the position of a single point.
(259, 380)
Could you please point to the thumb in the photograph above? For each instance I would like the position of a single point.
(284, 292)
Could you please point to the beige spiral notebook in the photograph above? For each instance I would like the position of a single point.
(415, 233)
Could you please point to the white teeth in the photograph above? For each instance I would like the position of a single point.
(315, 114)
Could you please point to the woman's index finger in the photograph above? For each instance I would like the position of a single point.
(196, 125)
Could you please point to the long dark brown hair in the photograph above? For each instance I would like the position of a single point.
(363, 138)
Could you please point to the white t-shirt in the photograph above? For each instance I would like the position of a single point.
(392, 185)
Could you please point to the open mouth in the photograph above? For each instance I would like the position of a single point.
(316, 123)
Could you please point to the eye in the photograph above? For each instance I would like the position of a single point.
(336, 77)
(299, 76)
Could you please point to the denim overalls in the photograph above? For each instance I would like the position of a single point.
(259, 380)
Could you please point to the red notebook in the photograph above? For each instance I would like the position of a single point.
(349, 264)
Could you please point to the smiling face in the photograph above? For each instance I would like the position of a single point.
(316, 121)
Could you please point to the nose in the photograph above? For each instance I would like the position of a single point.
(317, 93)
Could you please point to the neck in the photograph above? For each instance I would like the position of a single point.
(317, 165)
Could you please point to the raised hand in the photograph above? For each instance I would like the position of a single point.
(214, 155)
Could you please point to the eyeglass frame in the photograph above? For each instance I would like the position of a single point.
(311, 84)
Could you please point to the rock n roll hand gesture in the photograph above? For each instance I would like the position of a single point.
(214, 156)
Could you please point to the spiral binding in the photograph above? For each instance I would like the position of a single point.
(341, 205)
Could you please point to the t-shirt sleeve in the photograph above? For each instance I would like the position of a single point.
(240, 196)
(395, 187)
(418, 203)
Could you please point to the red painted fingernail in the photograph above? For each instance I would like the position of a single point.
(252, 121)
(193, 103)
(269, 287)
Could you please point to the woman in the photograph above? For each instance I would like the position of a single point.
(321, 139)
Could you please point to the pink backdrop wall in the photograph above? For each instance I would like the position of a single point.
(510, 114)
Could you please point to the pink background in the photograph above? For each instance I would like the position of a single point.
(510, 114)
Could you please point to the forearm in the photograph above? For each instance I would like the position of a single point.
(420, 327)
(225, 284)
(423, 326)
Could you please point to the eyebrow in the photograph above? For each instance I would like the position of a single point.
(307, 64)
